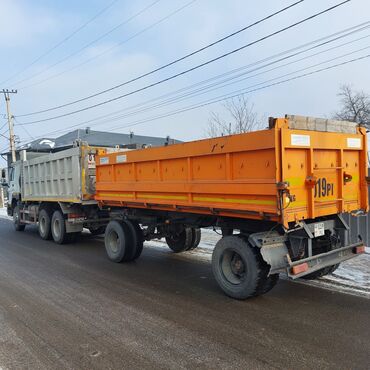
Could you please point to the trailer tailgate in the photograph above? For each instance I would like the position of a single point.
(325, 171)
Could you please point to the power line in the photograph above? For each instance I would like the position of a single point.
(175, 100)
(211, 87)
(275, 78)
(225, 97)
(27, 132)
(221, 84)
(193, 68)
(5, 124)
(130, 38)
(241, 92)
(62, 41)
(295, 51)
(111, 48)
(71, 55)
(168, 64)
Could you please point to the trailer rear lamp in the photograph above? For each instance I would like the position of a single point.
(298, 269)
(359, 250)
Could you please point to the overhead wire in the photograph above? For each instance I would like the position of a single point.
(190, 69)
(3, 125)
(236, 78)
(239, 93)
(24, 129)
(71, 55)
(245, 91)
(224, 83)
(64, 40)
(157, 69)
(168, 64)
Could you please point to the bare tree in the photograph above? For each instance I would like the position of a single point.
(355, 106)
(241, 117)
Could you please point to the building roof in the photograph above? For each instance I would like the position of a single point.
(95, 138)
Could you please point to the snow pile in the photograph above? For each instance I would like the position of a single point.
(352, 276)
(3, 213)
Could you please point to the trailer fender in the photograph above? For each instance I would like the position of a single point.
(273, 250)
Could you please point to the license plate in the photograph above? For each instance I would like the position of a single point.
(319, 229)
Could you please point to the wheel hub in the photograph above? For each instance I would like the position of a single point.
(237, 265)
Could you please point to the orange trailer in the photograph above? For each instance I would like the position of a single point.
(277, 194)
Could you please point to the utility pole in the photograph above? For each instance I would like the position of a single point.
(7, 93)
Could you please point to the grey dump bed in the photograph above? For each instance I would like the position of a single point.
(65, 176)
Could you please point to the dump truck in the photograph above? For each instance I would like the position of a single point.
(55, 191)
(277, 195)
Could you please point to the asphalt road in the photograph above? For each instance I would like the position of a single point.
(68, 307)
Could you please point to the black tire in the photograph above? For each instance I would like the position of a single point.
(239, 269)
(97, 231)
(326, 245)
(196, 236)
(180, 242)
(139, 240)
(18, 226)
(270, 282)
(132, 242)
(44, 225)
(116, 241)
(58, 228)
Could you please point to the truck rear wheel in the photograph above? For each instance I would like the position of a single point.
(240, 270)
(139, 239)
(121, 241)
(58, 228)
(325, 244)
(44, 225)
(115, 241)
(196, 236)
(180, 242)
(17, 219)
(135, 242)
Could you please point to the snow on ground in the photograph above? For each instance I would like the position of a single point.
(351, 277)
(3, 213)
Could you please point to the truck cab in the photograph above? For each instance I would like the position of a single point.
(14, 187)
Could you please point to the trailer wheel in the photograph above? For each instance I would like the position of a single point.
(58, 228)
(327, 244)
(139, 239)
(196, 236)
(135, 241)
(239, 268)
(180, 242)
(116, 241)
(270, 282)
(18, 226)
(44, 225)
(97, 231)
